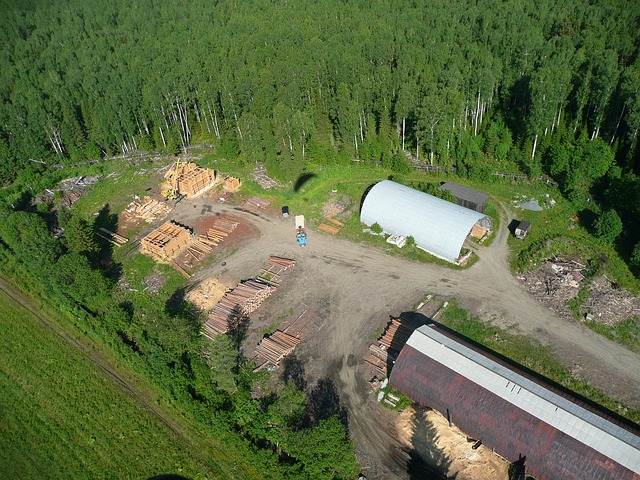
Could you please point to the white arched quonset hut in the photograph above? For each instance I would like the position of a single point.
(437, 226)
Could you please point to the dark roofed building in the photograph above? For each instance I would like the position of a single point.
(467, 197)
(522, 229)
(513, 413)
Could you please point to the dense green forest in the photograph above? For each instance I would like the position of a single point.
(461, 84)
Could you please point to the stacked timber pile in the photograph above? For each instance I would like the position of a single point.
(236, 306)
(199, 249)
(111, 237)
(166, 241)
(206, 295)
(148, 209)
(277, 265)
(272, 349)
(255, 204)
(332, 229)
(232, 184)
(385, 351)
(190, 179)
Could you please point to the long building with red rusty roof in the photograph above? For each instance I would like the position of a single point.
(514, 412)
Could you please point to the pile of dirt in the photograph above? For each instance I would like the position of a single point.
(428, 433)
(554, 283)
(609, 304)
(206, 295)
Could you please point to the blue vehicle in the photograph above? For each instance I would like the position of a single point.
(301, 236)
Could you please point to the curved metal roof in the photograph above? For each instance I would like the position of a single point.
(438, 226)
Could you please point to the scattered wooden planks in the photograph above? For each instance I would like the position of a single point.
(334, 221)
(254, 204)
(148, 209)
(180, 269)
(113, 238)
(275, 347)
(328, 228)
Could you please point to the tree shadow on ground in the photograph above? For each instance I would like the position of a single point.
(426, 460)
(324, 402)
(293, 372)
(302, 180)
(109, 221)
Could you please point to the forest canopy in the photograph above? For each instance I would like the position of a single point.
(288, 82)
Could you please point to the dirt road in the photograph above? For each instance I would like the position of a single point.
(352, 288)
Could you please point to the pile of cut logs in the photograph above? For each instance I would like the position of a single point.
(235, 306)
(111, 237)
(274, 348)
(199, 249)
(277, 265)
(387, 347)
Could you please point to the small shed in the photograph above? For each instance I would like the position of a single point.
(522, 229)
(467, 197)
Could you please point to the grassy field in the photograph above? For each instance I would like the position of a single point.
(61, 417)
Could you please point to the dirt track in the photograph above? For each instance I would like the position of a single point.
(351, 290)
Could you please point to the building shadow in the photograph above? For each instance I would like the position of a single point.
(426, 460)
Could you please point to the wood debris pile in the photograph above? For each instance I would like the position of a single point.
(272, 349)
(236, 306)
(206, 295)
(166, 241)
(332, 229)
(255, 204)
(608, 304)
(261, 177)
(386, 349)
(190, 179)
(555, 283)
(148, 209)
(111, 237)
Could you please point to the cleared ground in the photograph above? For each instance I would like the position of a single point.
(350, 290)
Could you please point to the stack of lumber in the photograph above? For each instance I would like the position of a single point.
(190, 179)
(256, 203)
(334, 221)
(180, 269)
(276, 346)
(232, 184)
(148, 209)
(167, 240)
(113, 238)
(218, 232)
(283, 263)
(235, 306)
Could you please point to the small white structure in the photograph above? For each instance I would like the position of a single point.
(299, 222)
(397, 240)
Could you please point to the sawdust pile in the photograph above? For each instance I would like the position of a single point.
(447, 448)
(206, 295)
